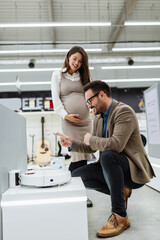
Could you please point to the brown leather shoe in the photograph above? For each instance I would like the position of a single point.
(115, 225)
(127, 194)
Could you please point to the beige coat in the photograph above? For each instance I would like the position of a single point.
(123, 136)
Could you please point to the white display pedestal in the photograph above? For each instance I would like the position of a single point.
(53, 213)
(155, 182)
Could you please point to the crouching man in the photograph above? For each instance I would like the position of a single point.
(123, 164)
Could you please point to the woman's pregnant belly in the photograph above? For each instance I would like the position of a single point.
(75, 103)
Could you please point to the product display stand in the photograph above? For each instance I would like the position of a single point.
(52, 213)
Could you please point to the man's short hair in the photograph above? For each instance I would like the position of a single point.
(97, 86)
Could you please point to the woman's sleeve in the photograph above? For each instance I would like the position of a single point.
(55, 90)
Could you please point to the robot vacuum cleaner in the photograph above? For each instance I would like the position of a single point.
(45, 177)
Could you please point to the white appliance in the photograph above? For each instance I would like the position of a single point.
(39, 177)
(45, 178)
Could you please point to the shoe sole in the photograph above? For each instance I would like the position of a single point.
(107, 235)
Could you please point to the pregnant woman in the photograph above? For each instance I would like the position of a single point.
(69, 101)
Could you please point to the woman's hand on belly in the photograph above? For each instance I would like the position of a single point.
(73, 118)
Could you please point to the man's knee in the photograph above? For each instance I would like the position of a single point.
(107, 157)
(82, 172)
(75, 173)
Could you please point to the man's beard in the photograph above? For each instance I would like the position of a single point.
(94, 111)
(98, 110)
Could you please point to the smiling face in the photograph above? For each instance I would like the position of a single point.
(95, 102)
(98, 102)
(75, 62)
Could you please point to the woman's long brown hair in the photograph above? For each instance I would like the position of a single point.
(84, 69)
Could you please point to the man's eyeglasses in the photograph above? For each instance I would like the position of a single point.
(89, 99)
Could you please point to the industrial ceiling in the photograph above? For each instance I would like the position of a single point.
(123, 53)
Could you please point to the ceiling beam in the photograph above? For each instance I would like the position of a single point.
(50, 14)
(127, 10)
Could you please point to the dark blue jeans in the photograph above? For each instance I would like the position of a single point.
(75, 165)
(109, 176)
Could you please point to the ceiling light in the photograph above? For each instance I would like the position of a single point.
(34, 51)
(93, 49)
(35, 83)
(108, 81)
(132, 80)
(127, 23)
(46, 51)
(8, 84)
(24, 83)
(136, 49)
(130, 67)
(33, 70)
(30, 70)
(55, 24)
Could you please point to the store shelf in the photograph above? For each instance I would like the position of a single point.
(38, 113)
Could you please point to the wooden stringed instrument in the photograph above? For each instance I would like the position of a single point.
(43, 153)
